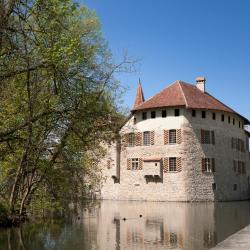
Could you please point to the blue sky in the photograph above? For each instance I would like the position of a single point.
(182, 39)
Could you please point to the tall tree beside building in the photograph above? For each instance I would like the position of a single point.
(58, 99)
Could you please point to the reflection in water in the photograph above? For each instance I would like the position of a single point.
(117, 225)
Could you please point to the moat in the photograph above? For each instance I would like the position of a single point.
(130, 225)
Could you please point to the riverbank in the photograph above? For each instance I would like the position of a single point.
(237, 241)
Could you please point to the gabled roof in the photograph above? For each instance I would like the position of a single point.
(183, 94)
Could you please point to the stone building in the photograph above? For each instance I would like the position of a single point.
(180, 145)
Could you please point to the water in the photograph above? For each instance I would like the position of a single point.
(162, 226)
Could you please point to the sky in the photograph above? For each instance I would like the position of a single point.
(180, 40)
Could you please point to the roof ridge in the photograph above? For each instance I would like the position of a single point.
(158, 93)
(185, 99)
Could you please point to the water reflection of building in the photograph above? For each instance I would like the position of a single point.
(167, 225)
(162, 225)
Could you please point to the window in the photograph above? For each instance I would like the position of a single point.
(214, 186)
(233, 121)
(239, 124)
(222, 118)
(238, 144)
(235, 166)
(208, 165)
(247, 143)
(214, 116)
(144, 115)
(193, 112)
(229, 119)
(153, 114)
(146, 138)
(203, 114)
(131, 139)
(172, 136)
(135, 163)
(235, 187)
(134, 120)
(172, 164)
(164, 113)
(241, 167)
(207, 137)
(176, 112)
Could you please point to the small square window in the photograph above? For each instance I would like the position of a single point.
(203, 114)
(164, 113)
(176, 112)
(222, 118)
(153, 114)
(229, 119)
(214, 116)
(144, 115)
(193, 112)
(214, 186)
(156, 164)
(235, 187)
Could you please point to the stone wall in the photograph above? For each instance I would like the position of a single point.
(190, 184)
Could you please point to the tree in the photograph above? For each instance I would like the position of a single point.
(58, 98)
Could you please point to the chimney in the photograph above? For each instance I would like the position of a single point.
(201, 83)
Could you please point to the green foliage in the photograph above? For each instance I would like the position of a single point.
(58, 102)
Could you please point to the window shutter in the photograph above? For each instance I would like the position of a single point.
(178, 164)
(165, 165)
(203, 165)
(108, 164)
(235, 166)
(213, 165)
(152, 137)
(138, 139)
(128, 164)
(239, 167)
(202, 136)
(178, 136)
(166, 137)
(213, 137)
(125, 140)
(140, 163)
(243, 146)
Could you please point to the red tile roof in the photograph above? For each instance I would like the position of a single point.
(183, 94)
(139, 98)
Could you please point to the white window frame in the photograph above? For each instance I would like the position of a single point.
(172, 164)
(134, 163)
(131, 139)
(208, 165)
(146, 138)
(172, 136)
